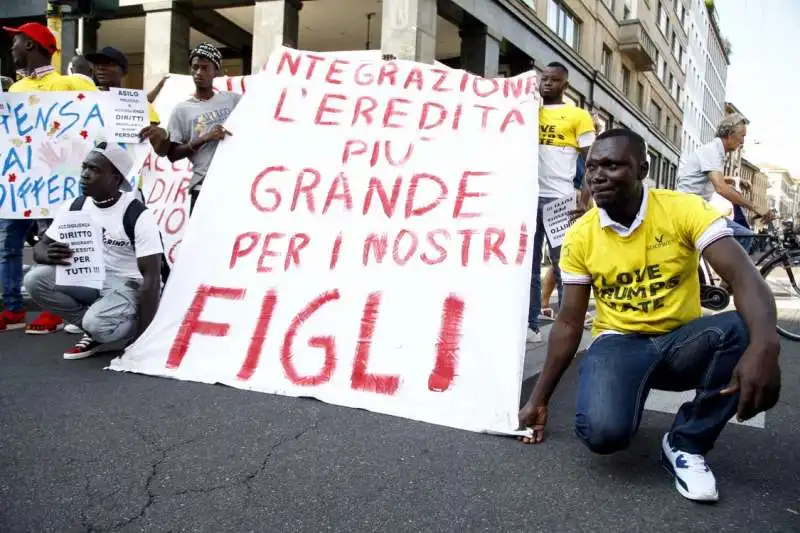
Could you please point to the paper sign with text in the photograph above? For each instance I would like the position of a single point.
(363, 238)
(43, 142)
(130, 114)
(556, 219)
(76, 230)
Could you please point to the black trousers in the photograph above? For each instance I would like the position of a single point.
(193, 195)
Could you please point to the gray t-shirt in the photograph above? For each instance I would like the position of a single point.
(694, 168)
(192, 119)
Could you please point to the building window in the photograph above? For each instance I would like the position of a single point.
(610, 4)
(667, 128)
(628, 10)
(663, 20)
(655, 113)
(564, 23)
(605, 61)
(640, 95)
(572, 98)
(662, 66)
(626, 81)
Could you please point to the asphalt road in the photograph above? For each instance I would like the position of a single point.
(83, 449)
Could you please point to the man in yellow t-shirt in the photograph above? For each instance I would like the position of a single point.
(638, 251)
(565, 132)
(32, 49)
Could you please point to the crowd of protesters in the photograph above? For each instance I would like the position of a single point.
(651, 335)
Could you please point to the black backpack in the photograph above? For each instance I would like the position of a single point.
(132, 212)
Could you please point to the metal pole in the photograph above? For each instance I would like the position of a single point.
(54, 23)
(79, 49)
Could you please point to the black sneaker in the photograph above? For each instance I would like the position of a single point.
(86, 347)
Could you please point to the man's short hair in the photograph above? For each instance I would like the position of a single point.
(636, 142)
(80, 65)
(558, 65)
(730, 124)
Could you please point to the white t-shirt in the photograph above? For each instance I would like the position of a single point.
(118, 253)
(564, 129)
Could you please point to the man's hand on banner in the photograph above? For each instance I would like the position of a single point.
(533, 417)
(217, 133)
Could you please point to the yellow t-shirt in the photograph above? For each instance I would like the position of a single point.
(50, 82)
(563, 130)
(154, 118)
(645, 281)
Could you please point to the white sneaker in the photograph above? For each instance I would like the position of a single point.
(534, 335)
(693, 478)
(72, 329)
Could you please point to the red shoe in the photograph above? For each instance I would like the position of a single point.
(11, 320)
(45, 324)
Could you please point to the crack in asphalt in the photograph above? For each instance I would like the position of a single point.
(255, 473)
(163, 454)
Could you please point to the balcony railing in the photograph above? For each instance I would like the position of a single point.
(635, 43)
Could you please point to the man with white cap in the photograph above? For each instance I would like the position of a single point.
(132, 253)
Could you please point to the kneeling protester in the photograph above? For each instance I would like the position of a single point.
(123, 302)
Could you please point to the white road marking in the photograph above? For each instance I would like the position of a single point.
(670, 402)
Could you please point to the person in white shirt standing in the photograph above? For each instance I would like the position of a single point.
(565, 131)
(701, 173)
(132, 255)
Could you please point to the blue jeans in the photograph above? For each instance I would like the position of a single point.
(535, 302)
(12, 242)
(618, 371)
(743, 235)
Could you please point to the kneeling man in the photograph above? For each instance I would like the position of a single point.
(638, 249)
(125, 306)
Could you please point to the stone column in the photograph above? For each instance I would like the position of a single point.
(408, 29)
(480, 49)
(276, 23)
(166, 42)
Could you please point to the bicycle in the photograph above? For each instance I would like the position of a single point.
(781, 253)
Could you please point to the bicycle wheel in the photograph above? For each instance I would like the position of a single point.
(782, 274)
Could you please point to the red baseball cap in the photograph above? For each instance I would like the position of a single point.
(38, 33)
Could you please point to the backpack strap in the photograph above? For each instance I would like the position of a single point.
(132, 213)
(77, 203)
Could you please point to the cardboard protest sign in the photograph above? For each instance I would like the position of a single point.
(556, 219)
(363, 238)
(44, 139)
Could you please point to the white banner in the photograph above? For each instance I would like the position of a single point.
(44, 139)
(362, 238)
(164, 183)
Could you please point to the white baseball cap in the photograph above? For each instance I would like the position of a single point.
(121, 160)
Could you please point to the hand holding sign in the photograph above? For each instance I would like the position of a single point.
(59, 253)
(217, 133)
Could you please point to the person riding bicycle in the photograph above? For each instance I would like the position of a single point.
(701, 173)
